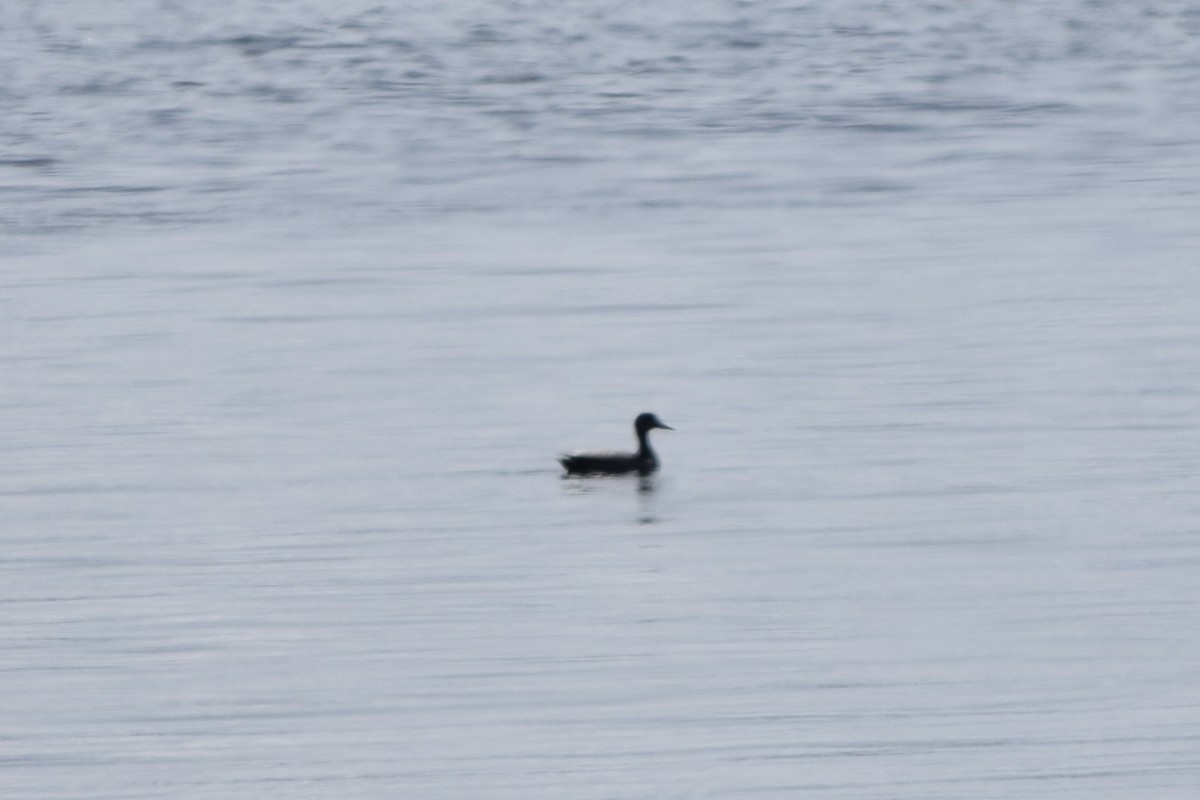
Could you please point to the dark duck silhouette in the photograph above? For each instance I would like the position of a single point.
(609, 462)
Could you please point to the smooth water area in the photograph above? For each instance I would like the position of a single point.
(299, 302)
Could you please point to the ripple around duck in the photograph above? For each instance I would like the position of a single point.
(30, 163)
(259, 44)
(80, 191)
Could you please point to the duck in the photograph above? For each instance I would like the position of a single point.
(615, 462)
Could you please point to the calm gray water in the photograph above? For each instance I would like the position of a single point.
(299, 301)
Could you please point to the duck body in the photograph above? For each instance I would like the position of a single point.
(613, 462)
(608, 462)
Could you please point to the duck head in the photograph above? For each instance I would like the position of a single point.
(646, 422)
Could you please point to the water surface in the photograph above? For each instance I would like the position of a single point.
(299, 303)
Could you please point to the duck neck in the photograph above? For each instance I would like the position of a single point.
(644, 451)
